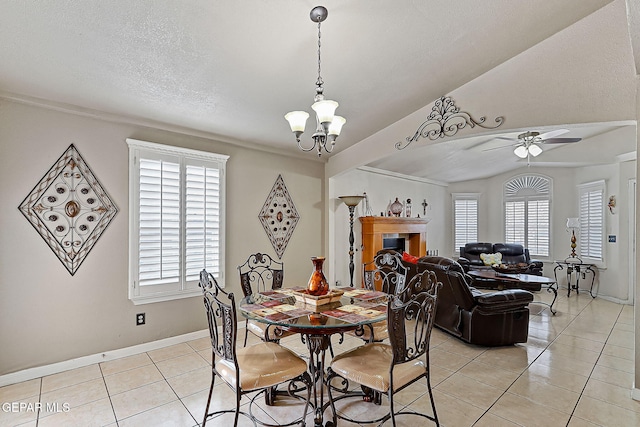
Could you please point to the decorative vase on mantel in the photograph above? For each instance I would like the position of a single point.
(396, 208)
(318, 284)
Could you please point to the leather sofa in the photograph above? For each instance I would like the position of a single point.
(512, 253)
(483, 318)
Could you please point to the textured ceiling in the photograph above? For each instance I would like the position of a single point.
(231, 69)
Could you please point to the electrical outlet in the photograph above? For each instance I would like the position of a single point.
(140, 319)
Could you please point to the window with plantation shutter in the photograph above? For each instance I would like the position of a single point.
(527, 210)
(465, 223)
(176, 220)
(591, 233)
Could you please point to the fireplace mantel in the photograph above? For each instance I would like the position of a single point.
(375, 227)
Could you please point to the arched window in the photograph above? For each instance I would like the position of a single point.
(527, 208)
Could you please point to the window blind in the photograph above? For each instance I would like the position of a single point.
(466, 221)
(591, 221)
(176, 199)
(527, 210)
(538, 227)
(514, 223)
(159, 222)
(202, 221)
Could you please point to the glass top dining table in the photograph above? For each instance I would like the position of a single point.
(291, 309)
(346, 309)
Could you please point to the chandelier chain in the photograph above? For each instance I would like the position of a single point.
(319, 82)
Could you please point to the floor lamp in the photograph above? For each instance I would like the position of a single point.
(351, 202)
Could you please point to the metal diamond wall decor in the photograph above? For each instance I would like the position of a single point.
(279, 216)
(69, 208)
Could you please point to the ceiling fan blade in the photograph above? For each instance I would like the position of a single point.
(500, 147)
(506, 138)
(553, 133)
(561, 140)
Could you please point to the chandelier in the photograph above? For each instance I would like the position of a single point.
(328, 124)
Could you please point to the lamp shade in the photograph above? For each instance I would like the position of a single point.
(297, 120)
(336, 125)
(573, 223)
(535, 150)
(325, 110)
(521, 152)
(351, 200)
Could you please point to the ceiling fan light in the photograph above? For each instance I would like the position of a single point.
(535, 150)
(336, 125)
(325, 110)
(521, 152)
(297, 120)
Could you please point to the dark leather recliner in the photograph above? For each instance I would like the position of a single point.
(512, 253)
(487, 319)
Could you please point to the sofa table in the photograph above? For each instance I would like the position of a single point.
(576, 268)
(519, 281)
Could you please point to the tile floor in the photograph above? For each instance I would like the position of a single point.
(575, 370)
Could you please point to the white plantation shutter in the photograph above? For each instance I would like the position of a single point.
(202, 221)
(514, 222)
(527, 210)
(159, 219)
(591, 233)
(176, 222)
(538, 227)
(465, 211)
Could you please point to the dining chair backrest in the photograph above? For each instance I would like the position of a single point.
(385, 272)
(260, 273)
(221, 317)
(410, 317)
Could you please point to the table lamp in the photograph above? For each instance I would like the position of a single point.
(573, 224)
(351, 202)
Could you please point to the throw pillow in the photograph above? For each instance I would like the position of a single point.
(491, 259)
(409, 258)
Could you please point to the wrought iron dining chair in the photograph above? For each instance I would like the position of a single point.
(389, 368)
(261, 273)
(258, 368)
(387, 272)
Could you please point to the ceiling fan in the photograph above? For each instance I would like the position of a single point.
(528, 143)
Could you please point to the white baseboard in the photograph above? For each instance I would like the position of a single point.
(54, 368)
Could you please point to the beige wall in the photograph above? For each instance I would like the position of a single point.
(47, 315)
(381, 188)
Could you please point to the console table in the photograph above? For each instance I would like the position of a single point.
(575, 268)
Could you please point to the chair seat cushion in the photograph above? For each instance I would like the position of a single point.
(380, 332)
(259, 328)
(369, 365)
(262, 365)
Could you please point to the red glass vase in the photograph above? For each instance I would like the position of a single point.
(318, 284)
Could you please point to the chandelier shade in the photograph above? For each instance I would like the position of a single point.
(521, 152)
(528, 148)
(297, 120)
(535, 150)
(328, 124)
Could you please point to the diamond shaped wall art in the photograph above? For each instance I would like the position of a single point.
(69, 208)
(279, 216)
